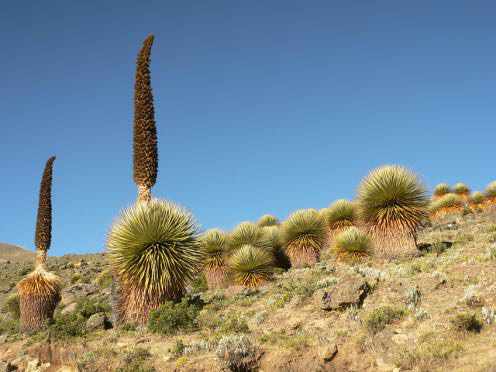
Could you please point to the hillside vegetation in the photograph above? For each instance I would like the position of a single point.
(435, 311)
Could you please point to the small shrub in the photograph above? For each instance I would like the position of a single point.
(75, 278)
(88, 307)
(171, 317)
(136, 360)
(413, 297)
(104, 279)
(199, 284)
(467, 322)
(178, 348)
(238, 353)
(8, 326)
(11, 306)
(379, 318)
(68, 325)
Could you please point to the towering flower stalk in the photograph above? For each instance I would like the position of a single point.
(145, 154)
(39, 291)
(153, 246)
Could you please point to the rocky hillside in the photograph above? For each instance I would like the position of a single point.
(435, 312)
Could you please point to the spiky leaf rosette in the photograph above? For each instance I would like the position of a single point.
(273, 234)
(251, 266)
(441, 190)
(461, 189)
(153, 249)
(268, 220)
(448, 204)
(490, 193)
(477, 198)
(304, 235)
(145, 152)
(39, 294)
(214, 243)
(43, 234)
(392, 203)
(352, 243)
(340, 215)
(248, 233)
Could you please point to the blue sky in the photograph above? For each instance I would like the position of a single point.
(261, 107)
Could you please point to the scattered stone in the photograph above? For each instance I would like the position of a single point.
(329, 353)
(351, 290)
(3, 339)
(81, 290)
(69, 308)
(98, 321)
(438, 247)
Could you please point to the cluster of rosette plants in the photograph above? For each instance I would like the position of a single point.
(155, 247)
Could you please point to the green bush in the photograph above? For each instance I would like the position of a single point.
(8, 326)
(467, 322)
(379, 318)
(68, 325)
(136, 360)
(88, 307)
(171, 317)
(11, 306)
(199, 283)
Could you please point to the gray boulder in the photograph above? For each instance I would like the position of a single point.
(350, 291)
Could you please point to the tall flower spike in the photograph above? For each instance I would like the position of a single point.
(43, 234)
(145, 154)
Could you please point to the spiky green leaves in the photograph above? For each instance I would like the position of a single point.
(43, 234)
(448, 203)
(461, 189)
(441, 189)
(214, 243)
(145, 131)
(251, 266)
(303, 236)
(154, 250)
(248, 233)
(490, 190)
(352, 242)
(340, 214)
(267, 220)
(477, 198)
(392, 197)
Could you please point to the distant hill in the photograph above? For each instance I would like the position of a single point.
(15, 253)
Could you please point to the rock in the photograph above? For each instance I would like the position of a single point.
(69, 308)
(438, 247)
(98, 321)
(3, 339)
(329, 353)
(36, 366)
(4, 261)
(81, 290)
(351, 290)
(67, 299)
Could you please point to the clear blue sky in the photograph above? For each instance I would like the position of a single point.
(261, 107)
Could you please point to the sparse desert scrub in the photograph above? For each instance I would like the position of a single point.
(338, 216)
(172, 317)
(352, 244)
(449, 204)
(440, 190)
(382, 316)
(153, 248)
(268, 220)
(238, 353)
(466, 322)
(214, 243)
(462, 190)
(39, 291)
(304, 235)
(392, 202)
(248, 233)
(251, 266)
